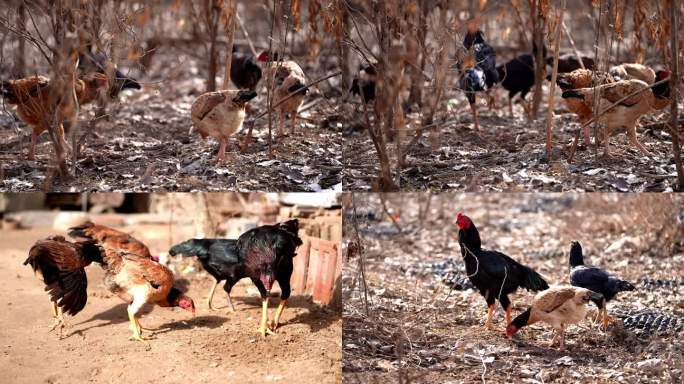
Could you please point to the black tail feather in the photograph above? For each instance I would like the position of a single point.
(571, 93)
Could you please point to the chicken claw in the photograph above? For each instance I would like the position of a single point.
(265, 330)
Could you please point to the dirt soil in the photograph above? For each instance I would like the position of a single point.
(419, 330)
(508, 153)
(213, 347)
(143, 143)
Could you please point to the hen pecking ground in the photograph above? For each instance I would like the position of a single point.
(421, 330)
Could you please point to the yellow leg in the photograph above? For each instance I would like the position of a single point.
(279, 311)
(135, 327)
(230, 304)
(211, 295)
(263, 326)
(58, 319)
(294, 122)
(490, 313)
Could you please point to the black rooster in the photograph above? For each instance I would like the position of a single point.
(245, 73)
(517, 76)
(364, 83)
(493, 273)
(595, 279)
(220, 259)
(478, 73)
(267, 252)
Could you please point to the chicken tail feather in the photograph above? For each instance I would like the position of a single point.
(572, 94)
(534, 281)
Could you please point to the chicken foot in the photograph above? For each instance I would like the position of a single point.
(58, 319)
(263, 326)
(135, 325)
(276, 321)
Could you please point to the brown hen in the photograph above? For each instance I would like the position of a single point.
(37, 101)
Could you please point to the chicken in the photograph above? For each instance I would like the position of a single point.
(557, 306)
(60, 264)
(138, 280)
(245, 73)
(625, 114)
(595, 279)
(220, 259)
(266, 254)
(220, 114)
(90, 61)
(37, 102)
(517, 76)
(477, 71)
(110, 238)
(364, 83)
(494, 274)
(289, 79)
(630, 71)
(568, 62)
(135, 279)
(582, 78)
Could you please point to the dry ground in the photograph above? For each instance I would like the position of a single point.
(418, 328)
(508, 154)
(144, 143)
(210, 348)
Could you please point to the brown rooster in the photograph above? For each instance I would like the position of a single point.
(37, 101)
(220, 114)
(288, 78)
(627, 112)
(60, 264)
(110, 238)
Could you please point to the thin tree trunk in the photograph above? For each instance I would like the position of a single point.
(552, 84)
(231, 11)
(539, 70)
(20, 64)
(674, 83)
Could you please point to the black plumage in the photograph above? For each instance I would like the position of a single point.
(568, 62)
(364, 83)
(494, 274)
(595, 279)
(245, 73)
(517, 75)
(219, 257)
(478, 74)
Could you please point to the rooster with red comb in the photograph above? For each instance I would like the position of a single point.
(493, 273)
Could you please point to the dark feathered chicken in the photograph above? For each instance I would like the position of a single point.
(267, 252)
(90, 61)
(568, 62)
(595, 279)
(220, 259)
(517, 76)
(61, 264)
(493, 273)
(478, 70)
(245, 73)
(364, 83)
